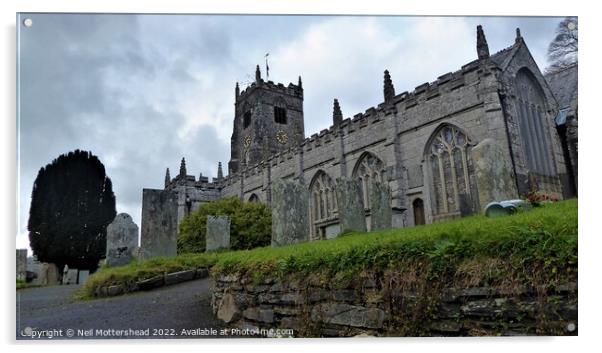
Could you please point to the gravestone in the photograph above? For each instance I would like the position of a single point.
(290, 218)
(122, 240)
(218, 232)
(381, 215)
(70, 277)
(159, 223)
(492, 172)
(52, 274)
(47, 274)
(351, 205)
(505, 208)
(82, 277)
(21, 264)
(465, 205)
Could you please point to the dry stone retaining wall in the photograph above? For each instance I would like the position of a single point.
(320, 310)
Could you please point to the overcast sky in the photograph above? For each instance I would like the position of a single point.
(143, 91)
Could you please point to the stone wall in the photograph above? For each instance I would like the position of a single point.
(315, 308)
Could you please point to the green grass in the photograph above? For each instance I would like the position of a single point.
(543, 240)
(22, 284)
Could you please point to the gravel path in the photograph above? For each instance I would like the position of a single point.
(162, 313)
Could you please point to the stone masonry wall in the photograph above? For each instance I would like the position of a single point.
(370, 306)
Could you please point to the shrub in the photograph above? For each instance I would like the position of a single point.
(251, 225)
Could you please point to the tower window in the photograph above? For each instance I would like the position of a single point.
(280, 115)
(247, 119)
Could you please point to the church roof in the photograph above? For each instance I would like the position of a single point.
(503, 57)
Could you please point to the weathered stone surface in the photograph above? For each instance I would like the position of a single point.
(70, 277)
(290, 323)
(286, 310)
(122, 240)
(52, 274)
(228, 310)
(201, 273)
(259, 314)
(21, 264)
(159, 223)
(218, 232)
(281, 299)
(47, 274)
(151, 283)
(114, 290)
(351, 205)
(380, 206)
(349, 315)
(493, 173)
(177, 277)
(465, 205)
(447, 326)
(82, 276)
(290, 219)
(344, 295)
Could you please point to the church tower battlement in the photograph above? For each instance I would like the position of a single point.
(268, 118)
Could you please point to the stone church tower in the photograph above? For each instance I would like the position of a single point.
(268, 118)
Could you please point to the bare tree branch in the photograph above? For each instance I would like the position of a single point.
(563, 50)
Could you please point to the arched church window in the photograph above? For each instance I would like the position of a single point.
(323, 205)
(369, 169)
(536, 143)
(450, 169)
(247, 119)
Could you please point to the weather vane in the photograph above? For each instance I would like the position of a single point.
(267, 68)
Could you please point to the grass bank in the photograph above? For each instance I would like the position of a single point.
(539, 243)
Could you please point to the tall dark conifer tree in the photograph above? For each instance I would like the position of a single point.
(72, 203)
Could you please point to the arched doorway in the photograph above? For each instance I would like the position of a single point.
(418, 208)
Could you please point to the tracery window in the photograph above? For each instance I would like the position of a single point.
(323, 202)
(531, 113)
(369, 169)
(450, 169)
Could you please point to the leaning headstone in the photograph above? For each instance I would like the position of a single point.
(493, 173)
(290, 218)
(218, 232)
(21, 264)
(82, 277)
(122, 239)
(351, 205)
(159, 227)
(381, 215)
(70, 277)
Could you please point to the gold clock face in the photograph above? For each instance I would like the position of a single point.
(247, 141)
(281, 137)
